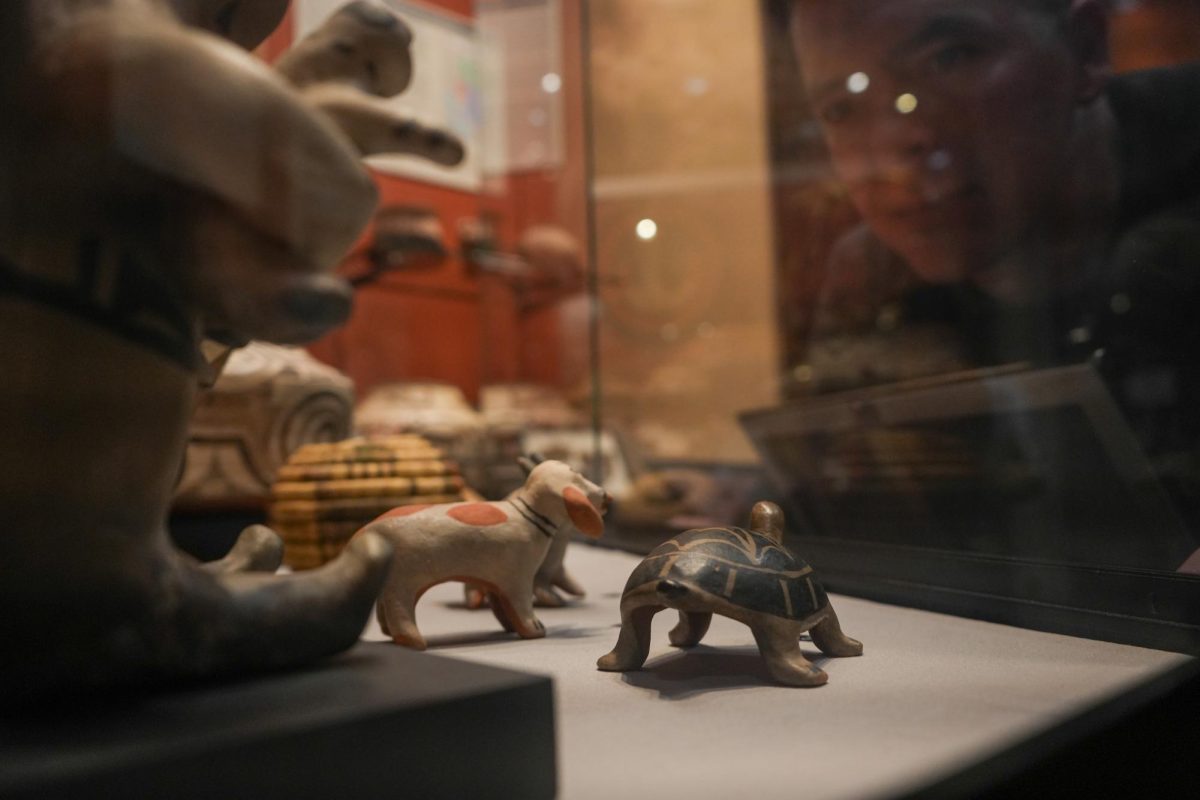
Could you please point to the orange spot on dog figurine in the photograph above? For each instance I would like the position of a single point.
(481, 515)
(402, 511)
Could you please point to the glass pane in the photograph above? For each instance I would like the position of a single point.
(933, 261)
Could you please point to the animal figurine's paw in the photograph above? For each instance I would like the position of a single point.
(547, 598)
(612, 662)
(257, 549)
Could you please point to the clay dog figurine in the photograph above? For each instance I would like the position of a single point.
(165, 195)
(744, 575)
(498, 546)
(551, 575)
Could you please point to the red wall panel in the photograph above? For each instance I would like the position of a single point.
(446, 323)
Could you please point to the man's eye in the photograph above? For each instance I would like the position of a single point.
(224, 19)
(954, 56)
(836, 112)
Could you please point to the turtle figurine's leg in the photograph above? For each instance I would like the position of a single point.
(691, 628)
(827, 635)
(779, 644)
(633, 645)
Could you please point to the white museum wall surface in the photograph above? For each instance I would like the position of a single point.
(931, 694)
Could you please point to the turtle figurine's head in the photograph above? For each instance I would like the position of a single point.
(766, 518)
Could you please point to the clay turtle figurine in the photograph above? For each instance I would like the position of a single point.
(744, 575)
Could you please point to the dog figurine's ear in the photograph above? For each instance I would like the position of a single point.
(529, 462)
(583, 514)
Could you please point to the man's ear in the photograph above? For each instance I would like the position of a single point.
(1087, 33)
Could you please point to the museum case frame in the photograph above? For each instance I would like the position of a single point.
(677, 179)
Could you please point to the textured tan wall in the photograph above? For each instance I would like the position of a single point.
(688, 325)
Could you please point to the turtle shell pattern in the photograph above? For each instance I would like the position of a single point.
(745, 568)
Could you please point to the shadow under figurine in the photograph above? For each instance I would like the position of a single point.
(498, 546)
(745, 575)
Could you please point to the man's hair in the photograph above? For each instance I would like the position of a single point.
(1049, 6)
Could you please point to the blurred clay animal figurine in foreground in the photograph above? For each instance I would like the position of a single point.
(745, 575)
(498, 545)
(166, 196)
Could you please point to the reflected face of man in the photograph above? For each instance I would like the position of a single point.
(951, 122)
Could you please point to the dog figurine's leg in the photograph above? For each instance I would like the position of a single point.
(397, 613)
(514, 601)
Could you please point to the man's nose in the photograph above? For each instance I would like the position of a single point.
(902, 135)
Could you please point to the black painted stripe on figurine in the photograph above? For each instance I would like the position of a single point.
(786, 596)
(737, 563)
(137, 313)
(538, 514)
(760, 548)
(532, 517)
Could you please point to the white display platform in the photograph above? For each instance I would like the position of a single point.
(931, 695)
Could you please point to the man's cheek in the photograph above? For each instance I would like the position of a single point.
(852, 162)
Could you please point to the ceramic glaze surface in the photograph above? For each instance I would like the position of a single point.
(740, 566)
(746, 575)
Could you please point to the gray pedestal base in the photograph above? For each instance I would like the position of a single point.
(380, 721)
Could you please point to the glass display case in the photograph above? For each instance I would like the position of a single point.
(920, 273)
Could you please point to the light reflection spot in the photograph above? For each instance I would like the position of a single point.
(906, 103)
(647, 229)
(939, 160)
(858, 83)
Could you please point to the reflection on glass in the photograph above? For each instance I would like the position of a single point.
(858, 83)
(1037, 211)
(906, 103)
(647, 229)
